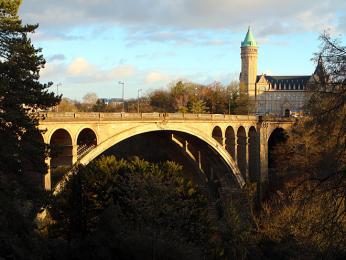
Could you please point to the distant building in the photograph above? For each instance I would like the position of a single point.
(112, 101)
(276, 95)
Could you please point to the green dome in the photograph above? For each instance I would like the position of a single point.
(249, 40)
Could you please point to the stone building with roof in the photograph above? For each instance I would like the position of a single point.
(273, 95)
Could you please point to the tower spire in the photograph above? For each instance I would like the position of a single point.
(249, 39)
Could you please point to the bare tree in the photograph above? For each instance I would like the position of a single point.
(314, 180)
(90, 98)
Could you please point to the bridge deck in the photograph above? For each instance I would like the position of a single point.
(94, 116)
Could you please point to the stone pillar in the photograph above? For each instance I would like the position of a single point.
(235, 149)
(247, 149)
(258, 154)
(263, 169)
(223, 139)
(47, 184)
(74, 154)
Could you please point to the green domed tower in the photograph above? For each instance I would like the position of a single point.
(249, 56)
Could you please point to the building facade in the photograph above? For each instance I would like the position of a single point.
(271, 95)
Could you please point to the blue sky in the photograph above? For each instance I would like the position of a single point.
(91, 45)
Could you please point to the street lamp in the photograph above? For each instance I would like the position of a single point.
(139, 90)
(57, 88)
(229, 101)
(122, 83)
(57, 93)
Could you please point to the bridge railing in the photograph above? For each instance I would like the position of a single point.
(63, 116)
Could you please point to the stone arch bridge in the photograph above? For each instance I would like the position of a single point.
(239, 142)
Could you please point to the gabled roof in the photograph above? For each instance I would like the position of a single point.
(286, 82)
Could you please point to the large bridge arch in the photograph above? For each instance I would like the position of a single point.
(145, 128)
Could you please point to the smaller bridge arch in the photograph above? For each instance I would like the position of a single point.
(241, 151)
(277, 136)
(86, 140)
(253, 151)
(230, 141)
(217, 134)
(61, 148)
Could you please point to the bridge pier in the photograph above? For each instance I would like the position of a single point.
(223, 139)
(235, 158)
(263, 154)
(74, 153)
(246, 161)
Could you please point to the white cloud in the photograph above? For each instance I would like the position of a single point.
(80, 67)
(122, 71)
(155, 76)
(81, 70)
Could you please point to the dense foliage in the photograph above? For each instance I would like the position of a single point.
(21, 94)
(111, 206)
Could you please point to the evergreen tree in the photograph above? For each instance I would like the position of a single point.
(22, 96)
(198, 107)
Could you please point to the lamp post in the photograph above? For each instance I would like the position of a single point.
(123, 93)
(57, 93)
(139, 90)
(229, 101)
(194, 107)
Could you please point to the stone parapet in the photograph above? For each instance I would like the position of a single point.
(80, 116)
